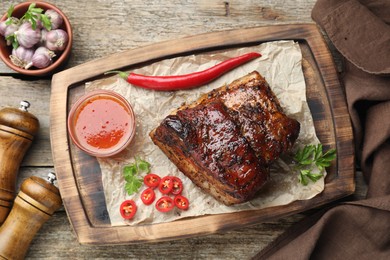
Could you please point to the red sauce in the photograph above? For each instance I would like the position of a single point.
(103, 124)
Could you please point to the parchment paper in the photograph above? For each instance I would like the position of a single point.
(280, 64)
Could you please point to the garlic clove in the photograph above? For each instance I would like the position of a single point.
(21, 56)
(45, 50)
(55, 18)
(8, 29)
(27, 36)
(56, 40)
(42, 58)
(39, 61)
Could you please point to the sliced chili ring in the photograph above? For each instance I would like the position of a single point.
(165, 204)
(166, 185)
(148, 196)
(181, 202)
(128, 209)
(152, 180)
(177, 186)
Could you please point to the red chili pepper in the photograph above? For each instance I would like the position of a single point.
(186, 81)
(181, 202)
(152, 180)
(166, 185)
(164, 204)
(148, 196)
(128, 209)
(177, 186)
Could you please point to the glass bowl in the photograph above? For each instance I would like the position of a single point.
(101, 123)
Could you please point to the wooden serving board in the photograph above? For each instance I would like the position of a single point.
(79, 175)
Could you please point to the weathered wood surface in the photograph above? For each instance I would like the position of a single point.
(106, 27)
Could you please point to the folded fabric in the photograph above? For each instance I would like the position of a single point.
(361, 36)
(360, 31)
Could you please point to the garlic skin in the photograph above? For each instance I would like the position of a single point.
(55, 19)
(6, 29)
(42, 58)
(21, 56)
(56, 40)
(27, 36)
(42, 41)
(46, 51)
(41, 61)
(9, 29)
(3, 27)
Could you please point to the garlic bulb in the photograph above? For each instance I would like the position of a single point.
(46, 51)
(56, 40)
(42, 58)
(21, 56)
(8, 29)
(27, 36)
(55, 19)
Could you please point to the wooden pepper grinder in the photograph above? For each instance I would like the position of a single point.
(17, 130)
(36, 202)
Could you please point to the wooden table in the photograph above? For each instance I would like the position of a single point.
(105, 27)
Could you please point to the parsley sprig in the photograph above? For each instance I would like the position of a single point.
(131, 174)
(9, 14)
(35, 14)
(308, 158)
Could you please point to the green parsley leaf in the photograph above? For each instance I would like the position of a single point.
(12, 39)
(10, 11)
(326, 159)
(130, 170)
(132, 185)
(302, 177)
(143, 166)
(46, 22)
(34, 14)
(131, 174)
(309, 157)
(304, 156)
(315, 176)
(305, 175)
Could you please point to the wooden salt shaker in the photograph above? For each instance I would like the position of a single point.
(17, 130)
(36, 202)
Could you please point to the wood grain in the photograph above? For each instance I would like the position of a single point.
(35, 203)
(82, 193)
(57, 240)
(12, 92)
(106, 27)
(102, 28)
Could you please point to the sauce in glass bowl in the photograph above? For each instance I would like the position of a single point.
(101, 123)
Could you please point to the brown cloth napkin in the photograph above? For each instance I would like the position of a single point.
(360, 31)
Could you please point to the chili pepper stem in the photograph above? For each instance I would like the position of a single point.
(121, 74)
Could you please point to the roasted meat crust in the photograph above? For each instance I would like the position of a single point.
(258, 111)
(226, 140)
(206, 139)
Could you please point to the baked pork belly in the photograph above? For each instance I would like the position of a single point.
(259, 114)
(226, 140)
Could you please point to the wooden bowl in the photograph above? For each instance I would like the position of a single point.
(59, 60)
